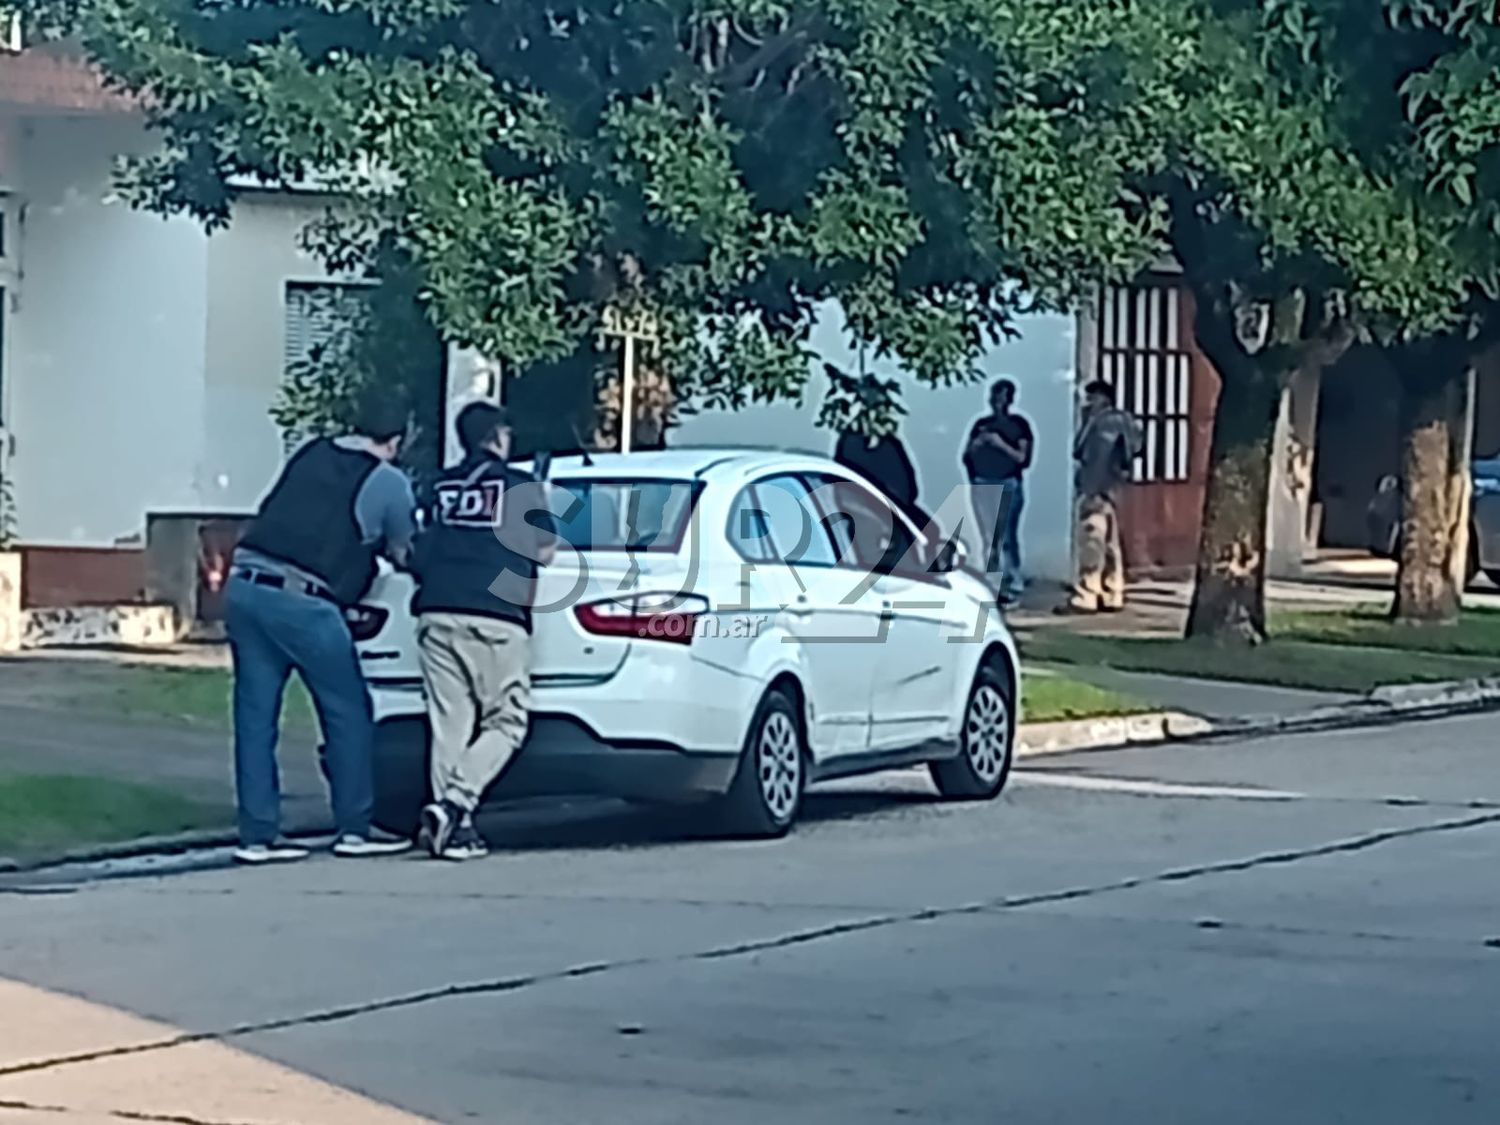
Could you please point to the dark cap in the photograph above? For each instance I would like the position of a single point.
(381, 420)
(478, 423)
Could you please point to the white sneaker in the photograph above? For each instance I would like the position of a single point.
(375, 843)
(439, 820)
(258, 855)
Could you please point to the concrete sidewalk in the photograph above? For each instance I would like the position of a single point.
(1159, 607)
(120, 1073)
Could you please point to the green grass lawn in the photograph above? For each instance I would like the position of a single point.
(1476, 633)
(189, 695)
(48, 815)
(1047, 698)
(201, 696)
(1327, 665)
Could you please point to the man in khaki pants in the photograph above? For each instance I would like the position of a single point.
(476, 569)
(1107, 443)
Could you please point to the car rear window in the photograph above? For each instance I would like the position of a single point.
(623, 515)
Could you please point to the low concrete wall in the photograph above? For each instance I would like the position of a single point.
(128, 626)
(10, 601)
(78, 576)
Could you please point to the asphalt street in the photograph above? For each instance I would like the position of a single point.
(1299, 930)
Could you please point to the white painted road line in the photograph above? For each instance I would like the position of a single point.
(1151, 788)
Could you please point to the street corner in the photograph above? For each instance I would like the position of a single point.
(69, 1059)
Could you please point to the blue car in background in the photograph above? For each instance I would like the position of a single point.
(1384, 520)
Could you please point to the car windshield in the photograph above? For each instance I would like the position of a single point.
(623, 515)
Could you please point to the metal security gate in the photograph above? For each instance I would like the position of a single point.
(1143, 355)
(1146, 351)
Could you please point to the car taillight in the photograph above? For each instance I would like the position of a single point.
(366, 621)
(672, 618)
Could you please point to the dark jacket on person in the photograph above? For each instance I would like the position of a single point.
(885, 464)
(488, 527)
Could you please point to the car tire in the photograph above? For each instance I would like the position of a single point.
(402, 747)
(986, 742)
(766, 795)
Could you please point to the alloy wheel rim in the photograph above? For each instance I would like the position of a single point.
(987, 733)
(779, 758)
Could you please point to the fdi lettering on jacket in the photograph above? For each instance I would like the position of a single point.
(471, 505)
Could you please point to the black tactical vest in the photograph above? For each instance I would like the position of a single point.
(308, 520)
(478, 554)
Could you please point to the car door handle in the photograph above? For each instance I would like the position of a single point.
(799, 608)
(887, 612)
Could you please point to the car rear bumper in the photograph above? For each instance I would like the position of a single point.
(657, 697)
(563, 757)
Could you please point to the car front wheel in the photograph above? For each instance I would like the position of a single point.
(987, 742)
(766, 795)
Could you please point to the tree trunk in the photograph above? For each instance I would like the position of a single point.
(1437, 413)
(1229, 587)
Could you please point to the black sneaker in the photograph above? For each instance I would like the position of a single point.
(439, 820)
(373, 843)
(466, 843)
(278, 851)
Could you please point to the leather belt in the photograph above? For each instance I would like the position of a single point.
(284, 582)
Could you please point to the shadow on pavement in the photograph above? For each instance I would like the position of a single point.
(614, 824)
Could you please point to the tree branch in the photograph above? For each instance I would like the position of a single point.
(766, 56)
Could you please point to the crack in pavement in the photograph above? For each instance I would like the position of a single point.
(118, 1114)
(1273, 929)
(87, 875)
(505, 985)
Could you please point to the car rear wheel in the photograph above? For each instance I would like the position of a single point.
(987, 742)
(766, 795)
(401, 782)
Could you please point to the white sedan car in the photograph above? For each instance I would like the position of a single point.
(727, 626)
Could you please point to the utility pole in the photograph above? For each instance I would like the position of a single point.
(632, 330)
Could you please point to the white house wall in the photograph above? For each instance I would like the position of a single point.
(1042, 362)
(249, 266)
(106, 342)
(143, 355)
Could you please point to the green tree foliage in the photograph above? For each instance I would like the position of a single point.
(935, 167)
(728, 163)
(373, 340)
(1302, 218)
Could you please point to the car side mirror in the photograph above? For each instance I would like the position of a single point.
(948, 556)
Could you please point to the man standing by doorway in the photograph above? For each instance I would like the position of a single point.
(996, 457)
(1107, 444)
(309, 555)
(476, 569)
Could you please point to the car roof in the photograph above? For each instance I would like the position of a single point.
(686, 463)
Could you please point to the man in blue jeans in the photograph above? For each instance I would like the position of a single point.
(308, 556)
(996, 457)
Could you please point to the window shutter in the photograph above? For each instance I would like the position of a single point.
(313, 312)
(1143, 356)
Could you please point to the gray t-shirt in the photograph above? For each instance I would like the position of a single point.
(385, 509)
(1104, 450)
